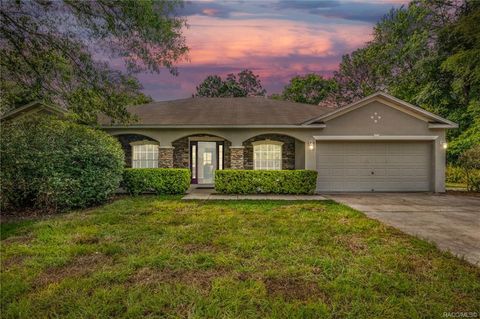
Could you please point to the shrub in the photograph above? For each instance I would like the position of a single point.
(52, 164)
(157, 180)
(470, 162)
(455, 174)
(265, 181)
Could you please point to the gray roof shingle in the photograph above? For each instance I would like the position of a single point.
(224, 111)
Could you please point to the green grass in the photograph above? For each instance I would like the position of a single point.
(161, 257)
(456, 186)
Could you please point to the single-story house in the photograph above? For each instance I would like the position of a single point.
(377, 144)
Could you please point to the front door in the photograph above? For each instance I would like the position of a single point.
(205, 158)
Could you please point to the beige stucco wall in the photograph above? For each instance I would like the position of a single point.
(357, 122)
(392, 122)
(300, 154)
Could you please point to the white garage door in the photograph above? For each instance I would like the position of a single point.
(374, 166)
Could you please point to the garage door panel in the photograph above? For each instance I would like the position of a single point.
(410, 148)
(331, 158)
(421, 172)
(405, 159)
(396, 166)
(366, 159)
(361, 171)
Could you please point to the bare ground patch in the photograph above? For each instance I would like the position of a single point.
(201, 278)
(294, 289)
(354, 244)
(85, 239)
(78, 267)
(12, 261)
(27, 239)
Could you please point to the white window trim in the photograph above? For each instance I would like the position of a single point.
(140, 143)
(267, 142)
(144, 142)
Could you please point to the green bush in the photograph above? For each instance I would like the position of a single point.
(158, 180)
(265, 181)
(455, 174)
(470, 162)
(51, 164)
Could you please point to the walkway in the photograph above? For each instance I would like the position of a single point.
(209, 194)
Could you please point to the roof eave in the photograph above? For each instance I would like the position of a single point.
(147, 126)
(442, 125)
(31, 105)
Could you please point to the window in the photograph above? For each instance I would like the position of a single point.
(194, 161)
(207, 158)
(267, 155)
(220, 156)
(144, 155)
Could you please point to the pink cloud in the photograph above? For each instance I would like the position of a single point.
(209, 12)
(220, 41)
(274, 47)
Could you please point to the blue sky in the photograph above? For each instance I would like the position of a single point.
(275, 39)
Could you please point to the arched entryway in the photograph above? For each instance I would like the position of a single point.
(202, 154)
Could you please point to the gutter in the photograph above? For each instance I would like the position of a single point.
(140, 126)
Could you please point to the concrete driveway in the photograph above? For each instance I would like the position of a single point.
(452, 222)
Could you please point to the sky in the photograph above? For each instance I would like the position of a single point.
(275, 39)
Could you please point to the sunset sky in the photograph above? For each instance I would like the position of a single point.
(275, 39)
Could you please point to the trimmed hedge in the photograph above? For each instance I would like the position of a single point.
(157, 180)
(265, 181)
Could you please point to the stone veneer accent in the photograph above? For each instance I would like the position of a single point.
(237, 157)
(181, 152)
(125, 140)
(165, 157)
(288, 149)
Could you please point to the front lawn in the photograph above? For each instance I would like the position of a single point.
(163, 257)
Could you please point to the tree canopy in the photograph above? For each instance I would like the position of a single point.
(243, 84)
(58, 52)
(427, 53)
(311, 89)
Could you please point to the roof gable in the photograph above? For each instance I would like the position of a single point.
(434, 120)
(33, 108)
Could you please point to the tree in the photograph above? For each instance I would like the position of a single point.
(311, 89)
(356, 77)
(427, 54)
(461, 42)
(56, 51)
(470, 162)
(245, 83)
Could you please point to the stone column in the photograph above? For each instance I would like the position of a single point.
(165, 156)
(236, 157)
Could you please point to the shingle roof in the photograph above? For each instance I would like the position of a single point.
(224, 111)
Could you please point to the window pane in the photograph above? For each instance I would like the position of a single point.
(194, 161)
(267, 156)
(220, 156)
(145, 156)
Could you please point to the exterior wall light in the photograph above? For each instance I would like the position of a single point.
(311, 145)
(445, 145)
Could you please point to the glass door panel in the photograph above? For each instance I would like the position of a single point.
(206, 162)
